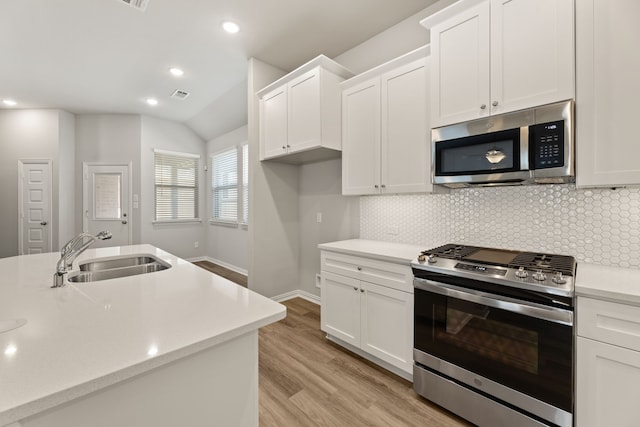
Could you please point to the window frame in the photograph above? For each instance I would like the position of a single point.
(196, 187)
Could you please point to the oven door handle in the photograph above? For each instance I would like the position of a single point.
(551, 314)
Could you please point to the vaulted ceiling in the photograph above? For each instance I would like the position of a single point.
(105, 56)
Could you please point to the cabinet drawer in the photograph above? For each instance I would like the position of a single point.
(609, 322)
(391, 275)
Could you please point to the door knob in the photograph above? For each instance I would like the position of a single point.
(43, 223)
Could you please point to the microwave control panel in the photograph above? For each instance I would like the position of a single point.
(546, 142)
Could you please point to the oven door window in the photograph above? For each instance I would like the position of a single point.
(524, 353)
(495, 152)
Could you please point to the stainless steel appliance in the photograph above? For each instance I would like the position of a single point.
(523, 147)
(493, 334)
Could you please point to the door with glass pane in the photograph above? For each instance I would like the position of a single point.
(106, 192)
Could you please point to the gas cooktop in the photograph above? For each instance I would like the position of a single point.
(547, 273)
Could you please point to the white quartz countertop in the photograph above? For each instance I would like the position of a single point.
(385, 251)
(611, 283)
(85, 336)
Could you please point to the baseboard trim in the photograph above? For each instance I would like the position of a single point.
(220, 263)
(297, 294)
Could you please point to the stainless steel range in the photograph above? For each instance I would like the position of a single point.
(493, 334)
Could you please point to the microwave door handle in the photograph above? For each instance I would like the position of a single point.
(551, 314)
(524, 148)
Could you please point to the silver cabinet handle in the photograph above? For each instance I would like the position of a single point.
(375, 186)
(494, 103)
(284, 147)
(483, 106)
(362, 290)
(359, 268)
(383, 186)
(355, 289)
(43, 223)
(124, 221)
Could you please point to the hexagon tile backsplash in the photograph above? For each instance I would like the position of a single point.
(600, 226)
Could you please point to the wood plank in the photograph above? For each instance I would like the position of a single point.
(306, 380)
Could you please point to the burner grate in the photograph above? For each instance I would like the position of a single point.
(548, 263)
(452, 251)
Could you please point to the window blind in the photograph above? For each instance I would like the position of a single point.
(245, 183)
(224, 183)
(176, 185)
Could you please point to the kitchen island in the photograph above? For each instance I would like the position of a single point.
(173, 347)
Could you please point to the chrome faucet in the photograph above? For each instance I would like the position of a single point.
(70, 252)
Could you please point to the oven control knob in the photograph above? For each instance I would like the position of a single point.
(422, 258)
(558, 279)
(432, 259)
(539, 276)
(521, 273)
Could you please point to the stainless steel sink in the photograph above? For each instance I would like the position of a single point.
(107, 264)
(114, 268)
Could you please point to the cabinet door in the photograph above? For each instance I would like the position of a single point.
(405, 153)
(607, 385)
(608, 66)
(532, 53)
(361, 138)
(460, 67)
(340, 307)
(273, 123)
(304, 122)
(387, 325)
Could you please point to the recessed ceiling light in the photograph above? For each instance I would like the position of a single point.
(176, 71)
(9, 102)
(152, 101)
(230, 27)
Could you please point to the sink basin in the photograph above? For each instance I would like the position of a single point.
(114, 268)
(108, 264)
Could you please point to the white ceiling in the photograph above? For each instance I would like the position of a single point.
(103, 56)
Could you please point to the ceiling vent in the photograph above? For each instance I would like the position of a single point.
(141, 5)
(179, 94)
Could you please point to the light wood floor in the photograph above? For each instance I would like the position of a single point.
(238, 278)
(306, 380)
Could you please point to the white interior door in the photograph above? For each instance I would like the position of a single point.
(106, 203)
(34, 216)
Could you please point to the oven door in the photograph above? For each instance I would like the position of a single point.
(506, 348)
(495, 156)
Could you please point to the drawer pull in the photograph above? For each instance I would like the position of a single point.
(359, 268)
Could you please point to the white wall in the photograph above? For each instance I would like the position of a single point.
(108, 138)
(178, 239)
(226, 245)
(320, 192)
(67, 176)
(273, 204)
(391, 43)
(25, 134)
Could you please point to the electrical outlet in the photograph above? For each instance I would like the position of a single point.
(196, 244)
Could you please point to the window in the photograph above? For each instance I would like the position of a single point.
(245, 183)
(176, 182)
(230, 196)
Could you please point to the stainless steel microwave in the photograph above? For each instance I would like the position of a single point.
(534, 146)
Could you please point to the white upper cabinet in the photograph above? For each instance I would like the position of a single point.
(385, 128)
(492, 57)
(608, 89)
(300, 114)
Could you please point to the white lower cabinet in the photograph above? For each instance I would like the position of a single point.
(608, 364)
(376, 318)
